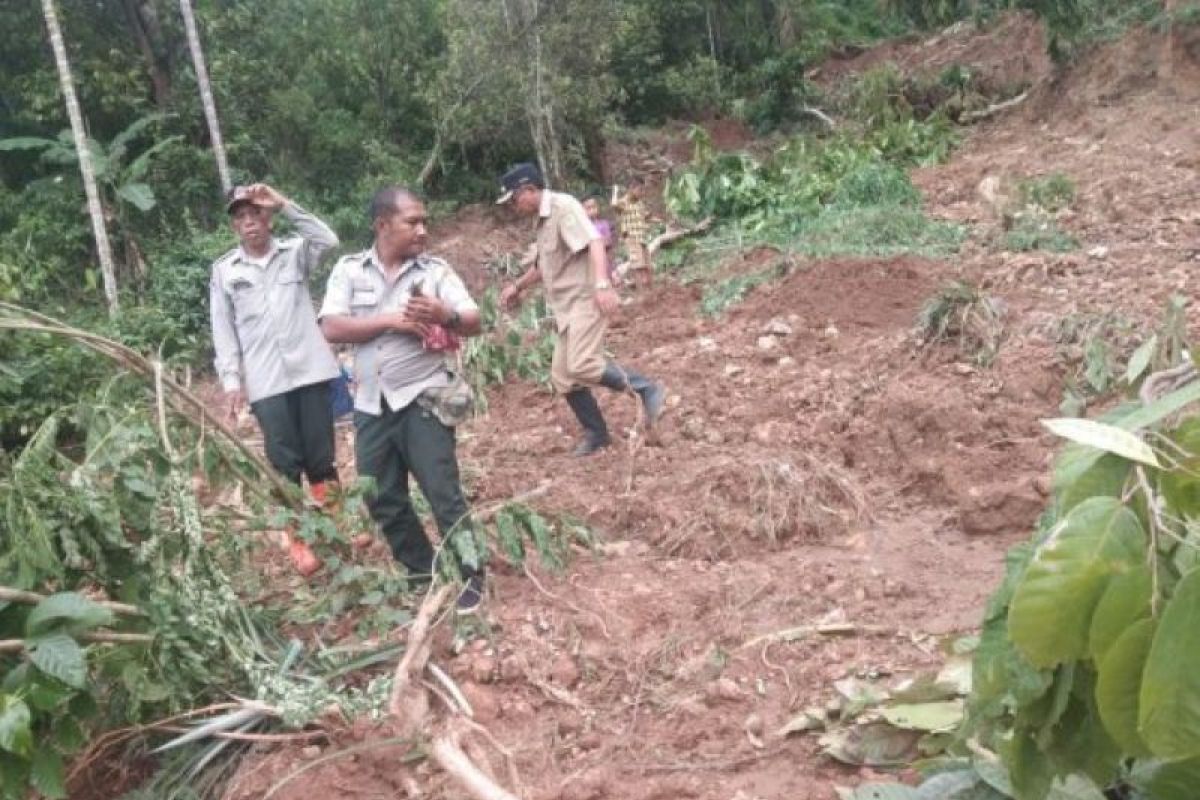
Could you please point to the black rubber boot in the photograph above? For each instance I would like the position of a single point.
(587, 411)
(623, 379)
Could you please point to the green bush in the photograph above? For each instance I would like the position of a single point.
(1053, 192)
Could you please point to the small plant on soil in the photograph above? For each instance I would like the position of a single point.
(1053, 193)
(962, 315)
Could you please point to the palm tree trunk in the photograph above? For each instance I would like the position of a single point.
(95, 211)
(206, 96)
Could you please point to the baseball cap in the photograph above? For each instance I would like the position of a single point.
(521, 175)
(236, 196)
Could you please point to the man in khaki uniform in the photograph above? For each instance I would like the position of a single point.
(571, 264)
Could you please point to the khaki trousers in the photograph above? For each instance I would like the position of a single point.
(579, 352)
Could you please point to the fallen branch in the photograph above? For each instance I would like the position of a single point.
(832, 629)
(411, 707)
(91, 637)
(819, 114)
(995, 108)
(412, 664)
(8, 594)
(449, 755)
(675, 234)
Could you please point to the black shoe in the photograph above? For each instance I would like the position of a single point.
(587, 411)
(590, 444)
(653, 395)
(471, 596)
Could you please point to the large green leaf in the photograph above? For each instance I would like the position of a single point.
(1051, 612)
(47, 773)
(1083, 472)
(68, 610)
(1169, 713)
(1103, 436)
(1120, 684)
(1074, 787)
(59, 656)
(933, 717)
(1124, 602)
(139, 195)
(15, 736)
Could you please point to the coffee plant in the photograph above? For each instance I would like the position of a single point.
(1085, 685)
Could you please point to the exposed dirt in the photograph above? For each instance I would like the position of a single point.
(629, 676)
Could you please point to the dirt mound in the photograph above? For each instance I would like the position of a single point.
(1009, 52)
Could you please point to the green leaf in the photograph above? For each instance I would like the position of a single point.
(67, 609)
(1103, 436)
(933, 717)
(47, 773)
(1082, 472)
(59, 656)
(26, 143)
(139, 195)
(1120, 684)
(68, 735)
(1140, 360)
(1051, 611)
(1029, 770)
(874, 744)
(1169, 713)
(15, 736)
(1125, 601)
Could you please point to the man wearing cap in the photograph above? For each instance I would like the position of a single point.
(571, 264)
(269, 349)
(397, 305)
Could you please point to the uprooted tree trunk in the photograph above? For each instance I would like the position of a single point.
(674, 234)
(450, 732)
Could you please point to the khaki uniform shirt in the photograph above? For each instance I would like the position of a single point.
(394, 366)
(564, 233)
(264, 327)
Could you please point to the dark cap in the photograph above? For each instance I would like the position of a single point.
(515, 178)
(236, 196)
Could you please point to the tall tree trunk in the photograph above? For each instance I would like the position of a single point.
(206, 97)
(95, 210)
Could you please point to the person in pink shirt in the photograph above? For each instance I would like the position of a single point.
(591, 204)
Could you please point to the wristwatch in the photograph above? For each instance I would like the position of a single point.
(601, 285)
(455, 318)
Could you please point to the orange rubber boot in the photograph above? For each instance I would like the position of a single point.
(317, 492)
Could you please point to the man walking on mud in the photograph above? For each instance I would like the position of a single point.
(403, 309)
(269, 349)
(571, 263)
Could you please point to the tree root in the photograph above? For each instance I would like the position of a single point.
(411, 705)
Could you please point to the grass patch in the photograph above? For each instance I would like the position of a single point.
(1036, 231)
(961, 315)
(1053, 192)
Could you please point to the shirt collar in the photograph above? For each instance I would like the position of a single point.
(248, 259)
(374, 260)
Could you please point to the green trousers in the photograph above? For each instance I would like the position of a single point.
(389, 448)
(297, 429)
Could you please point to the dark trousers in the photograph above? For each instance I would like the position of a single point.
(297, 431)
(389, 448)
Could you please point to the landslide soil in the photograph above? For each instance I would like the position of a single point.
(839, 471)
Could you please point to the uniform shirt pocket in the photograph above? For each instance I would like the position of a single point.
(364, 297)
(248, 294)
